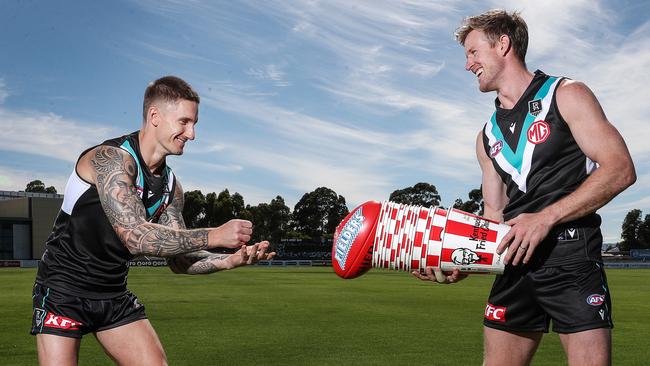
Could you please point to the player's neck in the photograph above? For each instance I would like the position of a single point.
(152, 158)
(512, 86)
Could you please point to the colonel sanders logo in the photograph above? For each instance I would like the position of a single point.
(464, 257)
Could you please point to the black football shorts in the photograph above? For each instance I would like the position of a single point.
(575, 297)
(71, 316)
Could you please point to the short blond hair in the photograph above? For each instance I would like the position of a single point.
(495, 23)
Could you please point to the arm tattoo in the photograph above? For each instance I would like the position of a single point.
(202, 262)
(173, 215)
(116, 172)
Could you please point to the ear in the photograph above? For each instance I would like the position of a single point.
(153, 115)
(504, 45)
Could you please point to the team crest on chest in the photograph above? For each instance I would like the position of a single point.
(496, 148)
(535, 107)
(538, 132)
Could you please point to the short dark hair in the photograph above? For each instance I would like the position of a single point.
(170, 89)
(494, 23)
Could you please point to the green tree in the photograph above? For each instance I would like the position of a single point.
(421, 194)
(280, 218)
(38, 186)
(643, 234)
(224, 207)
(630, 230)
(194, 209)
(473, 205)
(319, 212)
(270, 220)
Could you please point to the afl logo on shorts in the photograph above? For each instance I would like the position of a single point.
(496, 148)
(595, 299)
(538, 132)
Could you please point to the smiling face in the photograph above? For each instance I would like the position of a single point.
(483, 60)
(174, 123)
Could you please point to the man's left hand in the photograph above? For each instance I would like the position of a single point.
(528, 230)
(435, 274)
(249, 254)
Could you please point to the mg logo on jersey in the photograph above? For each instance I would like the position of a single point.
(496, 148)
(538, 132)
(60, 322)
(495, 313)
(596, 299)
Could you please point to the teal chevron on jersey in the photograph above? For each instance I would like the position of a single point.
(515, 158)
(152, 208)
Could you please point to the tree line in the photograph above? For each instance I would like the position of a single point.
(635, 231)
(316, 214)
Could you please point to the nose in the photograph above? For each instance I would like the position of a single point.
(189, 131)
(468, 64)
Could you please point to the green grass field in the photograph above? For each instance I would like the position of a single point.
(308, 316)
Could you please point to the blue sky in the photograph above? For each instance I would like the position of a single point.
(363, 97)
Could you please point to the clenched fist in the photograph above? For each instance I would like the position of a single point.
(232, 234)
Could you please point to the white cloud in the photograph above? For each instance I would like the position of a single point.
(304, 172)
(269, 72)
(427, 70)
(12, 179)
(169, 52)
(48, 134)
(3, 91)
(206, 166)
(573, 27)
(618, 80)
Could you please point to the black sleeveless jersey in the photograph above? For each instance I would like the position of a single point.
(539, 161)
(533, 150)
(83, 255)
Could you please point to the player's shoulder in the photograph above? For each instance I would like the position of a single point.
(103, 159)
(572, 89)
(109, 153)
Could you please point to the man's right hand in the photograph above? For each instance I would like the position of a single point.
(232, 234)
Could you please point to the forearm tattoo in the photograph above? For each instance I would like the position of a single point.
(172, 216)
(116, 173)
(202, 262)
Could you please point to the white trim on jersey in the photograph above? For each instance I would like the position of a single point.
(591, 166)
(73, 190)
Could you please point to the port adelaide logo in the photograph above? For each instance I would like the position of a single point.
(535, 107)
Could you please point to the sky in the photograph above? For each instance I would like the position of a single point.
(363, 97)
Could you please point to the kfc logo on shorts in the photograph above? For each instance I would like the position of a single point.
(495, 313)
(595, 299)
(496, 148)
(538, 132)
(60, 322)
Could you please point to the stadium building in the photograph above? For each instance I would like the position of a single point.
(26, 220)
